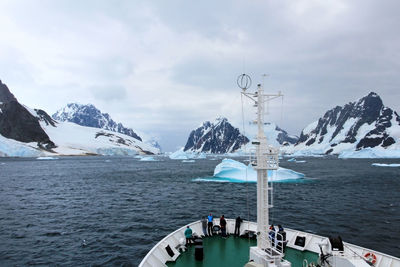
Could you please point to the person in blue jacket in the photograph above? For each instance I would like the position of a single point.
(210, 224)
(188, 235)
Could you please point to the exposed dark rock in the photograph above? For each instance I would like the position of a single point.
(283, 137)
(43, 116)
(310, 142)
(219, 138)
(5, 94)
(17, 123)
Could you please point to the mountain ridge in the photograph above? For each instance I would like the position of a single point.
(90, 116)
(364, 123)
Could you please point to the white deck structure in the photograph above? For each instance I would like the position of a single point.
(158, 255)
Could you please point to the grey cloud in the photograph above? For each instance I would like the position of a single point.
(319, 54)
(108, 93)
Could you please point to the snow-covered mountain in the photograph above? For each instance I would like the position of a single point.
(358, 125)
(89, 115)
(220, 137)
(32, 133)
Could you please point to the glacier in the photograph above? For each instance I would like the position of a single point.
(370, 153)
(235, 171)
(13, 148)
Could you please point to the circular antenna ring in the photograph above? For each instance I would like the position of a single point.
(244, 81)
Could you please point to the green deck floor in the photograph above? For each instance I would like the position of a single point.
(232, 252)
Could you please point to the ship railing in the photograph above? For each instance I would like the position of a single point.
(275, 246)
(267, 160)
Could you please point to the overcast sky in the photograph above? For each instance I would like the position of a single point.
(164, 67)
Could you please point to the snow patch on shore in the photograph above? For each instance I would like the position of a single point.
(370, 153)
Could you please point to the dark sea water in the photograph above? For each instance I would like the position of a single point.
(92, 211)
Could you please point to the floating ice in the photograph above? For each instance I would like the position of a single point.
(188, 160)
(46, 158)
(292, 159)
(385, 165)
(182, 155)
(235, 171)
(300, 161)
(179, 154)
(148, 159)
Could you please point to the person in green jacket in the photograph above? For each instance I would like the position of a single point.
(188, 235)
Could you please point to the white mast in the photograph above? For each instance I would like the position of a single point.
(266, 159)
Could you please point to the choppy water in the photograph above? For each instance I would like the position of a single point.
(110, 211)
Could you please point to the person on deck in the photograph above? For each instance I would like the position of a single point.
(210, 224)
(281, 238)
(237, 225)
(188, 235)
(204, 225)
(222, 224)
(271, 234)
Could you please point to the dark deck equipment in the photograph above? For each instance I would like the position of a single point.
(198, 253)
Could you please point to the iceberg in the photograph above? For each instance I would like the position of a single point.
(385, 165)
(46, 158)
(147, 159)
(183, 155)
(235, 171)
(370, 153)
(179, 154)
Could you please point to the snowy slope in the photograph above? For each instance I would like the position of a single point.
(89, 115)
(365, 124)
(73, 139)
